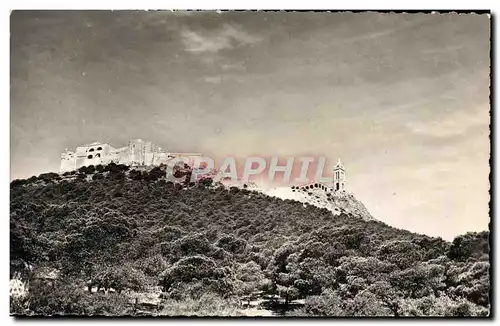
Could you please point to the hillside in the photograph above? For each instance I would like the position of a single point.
(206, 248)
(337, 203)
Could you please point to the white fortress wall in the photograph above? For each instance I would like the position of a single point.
(137, 153)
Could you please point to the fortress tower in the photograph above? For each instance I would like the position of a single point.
(339, 177)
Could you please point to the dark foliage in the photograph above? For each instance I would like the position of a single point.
(111, 228)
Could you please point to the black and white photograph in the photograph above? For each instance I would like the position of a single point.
(250, 164)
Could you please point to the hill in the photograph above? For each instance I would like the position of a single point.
(337, 202)
(103, 239)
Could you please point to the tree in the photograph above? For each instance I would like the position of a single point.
(402, 253)
(390, 296)
(191, 244)
(249, 278)
(232, 244)
(370, 269)
(366, 303)
(135, 175)
(421, 280)
(17, 183)
(470, 281)
(442, 306)
(199, 270)
(120, 277)
(49, 177)
(326, 304)
(315, 276)
(471, 245)
(155, 174)
(95, 238)
(71, 299)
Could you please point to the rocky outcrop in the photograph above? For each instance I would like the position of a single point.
(336, 202)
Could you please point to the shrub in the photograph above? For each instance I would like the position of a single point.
(207, 305)
(66, 299)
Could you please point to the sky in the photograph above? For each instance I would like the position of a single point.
(402, 99)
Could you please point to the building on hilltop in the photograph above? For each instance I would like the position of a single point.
(339, 177)
(331, 195)
(338, 183)
(137, 153)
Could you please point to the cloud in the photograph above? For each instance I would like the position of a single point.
(227, 37)
(240, 66)
(213, 79)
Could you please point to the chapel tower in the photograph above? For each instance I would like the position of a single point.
(339, 177)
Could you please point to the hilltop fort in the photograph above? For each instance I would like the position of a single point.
(137, 153)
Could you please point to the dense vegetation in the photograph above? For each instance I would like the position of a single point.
(208, 248)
